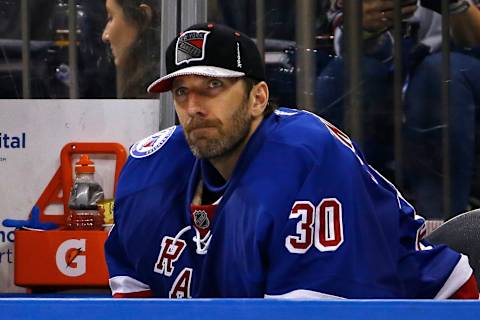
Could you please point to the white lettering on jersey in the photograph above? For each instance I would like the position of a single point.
(301, 242)
(322, 225)
(328, 225)
(170, 251)
(181, 285)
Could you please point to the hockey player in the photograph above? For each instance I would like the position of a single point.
(242, 200)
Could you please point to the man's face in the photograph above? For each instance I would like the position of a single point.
(214, 112)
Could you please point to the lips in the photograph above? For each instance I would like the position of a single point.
(200, 132)
(200, 128)
(196, 124)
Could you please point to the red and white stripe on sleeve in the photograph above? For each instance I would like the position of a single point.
(128, 287)
(461, 283)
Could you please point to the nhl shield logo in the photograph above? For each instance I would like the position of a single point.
(191, 46)
(200, 218)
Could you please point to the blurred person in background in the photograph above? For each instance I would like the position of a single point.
(10, 26)
(279, 23)
(424, 123)
(132, 32)
(50, 68)
(376, 78)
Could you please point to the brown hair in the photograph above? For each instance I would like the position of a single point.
(142, 63)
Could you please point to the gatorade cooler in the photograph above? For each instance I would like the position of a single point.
(64, 259)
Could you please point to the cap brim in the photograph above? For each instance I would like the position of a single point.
(165, 83)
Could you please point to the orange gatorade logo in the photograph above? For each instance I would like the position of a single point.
(71, 259)
(60, 258)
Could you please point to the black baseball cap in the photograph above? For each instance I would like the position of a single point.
(210, 50)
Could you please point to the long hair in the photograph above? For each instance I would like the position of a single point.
(142, 63)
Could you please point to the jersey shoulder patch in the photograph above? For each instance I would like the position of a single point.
(149, 145)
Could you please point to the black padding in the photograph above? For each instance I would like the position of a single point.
(461, 233)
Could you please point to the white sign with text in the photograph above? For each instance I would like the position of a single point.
(32, 134)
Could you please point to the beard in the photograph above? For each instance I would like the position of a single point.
(226, 141)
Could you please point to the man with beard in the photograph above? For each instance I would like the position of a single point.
(243, 200)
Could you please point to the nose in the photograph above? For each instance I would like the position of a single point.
(195, 105)
(105, 35)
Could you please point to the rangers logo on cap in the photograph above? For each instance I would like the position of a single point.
(191, 46)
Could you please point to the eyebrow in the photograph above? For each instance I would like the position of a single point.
(177, 83)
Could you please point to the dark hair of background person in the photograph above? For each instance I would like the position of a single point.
(142, 66)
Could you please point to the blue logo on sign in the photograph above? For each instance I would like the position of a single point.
(13, 142)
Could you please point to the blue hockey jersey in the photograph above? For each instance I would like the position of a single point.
(303, 215)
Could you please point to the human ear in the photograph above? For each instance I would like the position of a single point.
(260, 95)
(147, 13)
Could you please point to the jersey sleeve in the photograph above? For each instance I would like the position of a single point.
(469, 290)
(349, 234)
(428, 271)
(123, 280)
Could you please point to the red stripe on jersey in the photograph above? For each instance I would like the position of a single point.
(140, 294)
(469, 290)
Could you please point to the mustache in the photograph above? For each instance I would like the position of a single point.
(196, 123)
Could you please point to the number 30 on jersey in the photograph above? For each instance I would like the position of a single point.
(321, 225)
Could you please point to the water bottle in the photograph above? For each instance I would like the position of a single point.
(83, 210)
